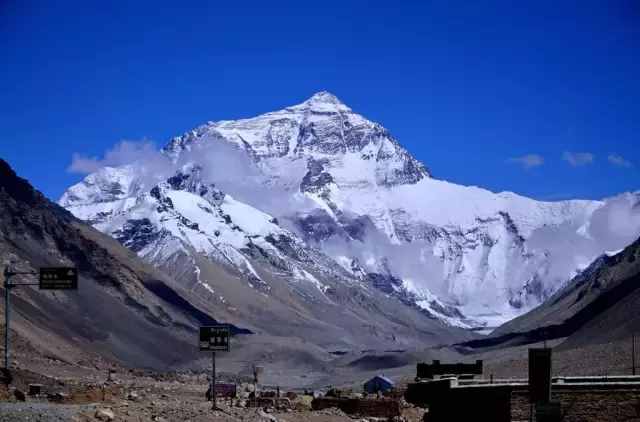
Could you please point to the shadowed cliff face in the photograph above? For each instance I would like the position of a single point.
(123, 309)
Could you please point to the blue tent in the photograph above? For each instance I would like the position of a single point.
(378, 383)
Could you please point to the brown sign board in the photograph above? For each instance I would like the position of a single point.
(215, 338)
(224, 390)
(540, 375)
(58, 278)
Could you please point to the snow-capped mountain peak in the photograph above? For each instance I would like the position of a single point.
(482, 256)
(322, 102)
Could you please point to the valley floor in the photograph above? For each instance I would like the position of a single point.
(142, 395)
(135, 398)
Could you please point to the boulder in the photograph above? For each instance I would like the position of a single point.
(58, 397)
(105, 415)
(19, 395)
(266, 417)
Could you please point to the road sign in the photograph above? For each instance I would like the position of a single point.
(215, 338)
(58, 278)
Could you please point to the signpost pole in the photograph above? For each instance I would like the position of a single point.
(213, 380)
(7, 287)
(214, 338)
(633, 353)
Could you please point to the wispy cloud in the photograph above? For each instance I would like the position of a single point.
(123, 152)
(620, 161)
(577, 159)
(528, 161)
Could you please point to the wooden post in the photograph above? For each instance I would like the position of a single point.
(213, 381)
(633, 353)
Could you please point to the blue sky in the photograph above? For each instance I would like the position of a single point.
(542, 99)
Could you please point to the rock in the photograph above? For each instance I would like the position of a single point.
(5, 376)
(4, 393)
(19, 395)
(303, 402)
(105, 415)
(35, 389)
(133, 396)
(58, 397)
(266, 417)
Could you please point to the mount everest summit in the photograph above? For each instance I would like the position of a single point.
(325, 199)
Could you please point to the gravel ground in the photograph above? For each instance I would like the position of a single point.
(35, 412)
(138, 399)
(187, 412)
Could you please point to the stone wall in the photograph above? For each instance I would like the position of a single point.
(381, 408)
(586, 405)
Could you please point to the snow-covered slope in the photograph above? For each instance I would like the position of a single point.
(342, 184)
(184, 214)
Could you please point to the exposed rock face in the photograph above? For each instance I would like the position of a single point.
(137, 234)
(489, 256)
(317, 179)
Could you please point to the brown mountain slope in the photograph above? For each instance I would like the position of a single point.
(123, 309)
(143, 316)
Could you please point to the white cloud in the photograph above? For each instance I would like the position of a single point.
(124, 152)
(225, 165)
(618, 160)
(528, 161)
(577, 159)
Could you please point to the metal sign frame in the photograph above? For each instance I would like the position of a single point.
(58, 278)
(215, 338)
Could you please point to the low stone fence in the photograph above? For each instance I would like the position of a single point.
(585, 405)
(381, 408)
(280, 403)
(597, 400)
